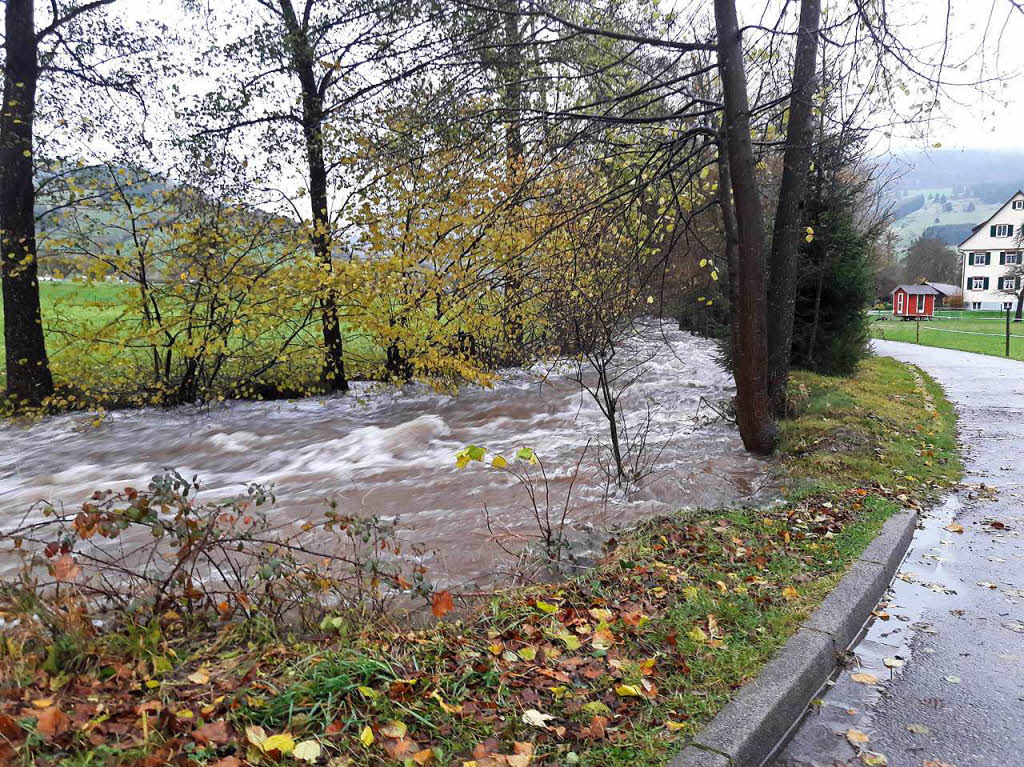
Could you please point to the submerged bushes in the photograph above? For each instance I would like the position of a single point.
(144, 553)
(444, 268)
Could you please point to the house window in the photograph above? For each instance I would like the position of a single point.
(899, 303)
(1008, 283)
(976, 306)
(1018, 204)
(1007, 305)
(977, 283)
(978, 259)
(1013, 256)
(1002, 230)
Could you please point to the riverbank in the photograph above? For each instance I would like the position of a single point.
(618, 666)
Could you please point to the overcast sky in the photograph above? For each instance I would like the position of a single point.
(988, 37)
(986, 43)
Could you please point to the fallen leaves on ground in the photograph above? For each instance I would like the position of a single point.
(227, 761)
(9, 727)
(52, 723)
(214, 733)
(857, 738)
(442, 604)
(863, 677)
(307, 751)
(199, 676)
(537, 719)
(282, 742)
(582, 662)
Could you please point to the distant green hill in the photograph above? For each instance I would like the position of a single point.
(946, 214)
(83, 200)
(951, 234)
(945, 193)
(98, 209)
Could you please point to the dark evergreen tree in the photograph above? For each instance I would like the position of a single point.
(830, 329)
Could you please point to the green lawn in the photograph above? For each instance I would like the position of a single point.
(979, 332)
(91, 304)
(87, 324)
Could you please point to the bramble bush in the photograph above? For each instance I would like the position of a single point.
(141, 554)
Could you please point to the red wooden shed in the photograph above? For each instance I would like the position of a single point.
(913, 301)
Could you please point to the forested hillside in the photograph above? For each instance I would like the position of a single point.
(944, 193)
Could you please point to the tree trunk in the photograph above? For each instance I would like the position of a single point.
(302, 61)
(748, 310)
(334, 361)
(513, 75)
(513, 88)
(28, 369)
(789, 215)
(731, 238)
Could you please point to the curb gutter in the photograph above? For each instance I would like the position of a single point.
(749, 729)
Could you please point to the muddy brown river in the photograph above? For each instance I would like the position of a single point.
(392, 452)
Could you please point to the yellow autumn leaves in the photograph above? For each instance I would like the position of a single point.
(283, 743)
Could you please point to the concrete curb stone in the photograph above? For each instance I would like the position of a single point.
(750, 728)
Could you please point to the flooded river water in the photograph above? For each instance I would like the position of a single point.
(392, 453)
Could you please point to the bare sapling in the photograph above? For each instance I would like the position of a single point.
(139, 554)
(550, 514)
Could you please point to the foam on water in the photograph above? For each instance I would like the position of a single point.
(391, 452)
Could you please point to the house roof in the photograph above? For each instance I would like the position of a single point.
(998, 210)
(945, 288)
(917, 290)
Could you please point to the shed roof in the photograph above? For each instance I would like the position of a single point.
(945, 288)
(917, 290)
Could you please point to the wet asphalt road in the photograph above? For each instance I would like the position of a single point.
(956, 610)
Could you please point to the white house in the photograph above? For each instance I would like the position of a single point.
(989, 252)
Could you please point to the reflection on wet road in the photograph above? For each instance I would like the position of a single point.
(952, 626)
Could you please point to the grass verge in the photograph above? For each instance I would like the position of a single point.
(617, 667)
(966, 332)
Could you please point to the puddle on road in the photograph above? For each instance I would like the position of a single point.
(920, 587)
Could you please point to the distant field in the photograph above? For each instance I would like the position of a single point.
(75, 312)
(979, 332)
(92, 304)
(912, 225)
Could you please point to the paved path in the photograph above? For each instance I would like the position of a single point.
(956, 611)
